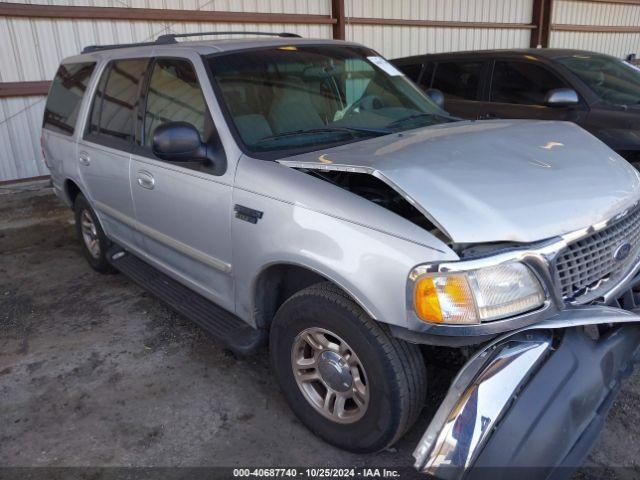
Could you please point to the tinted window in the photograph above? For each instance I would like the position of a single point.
(412, 71)
(612, 79)
(115, 102)
(65, 97)
(175, 96)
(522, 83)
(458, 79)
(427, 76)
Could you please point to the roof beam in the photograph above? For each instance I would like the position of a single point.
(156, 14)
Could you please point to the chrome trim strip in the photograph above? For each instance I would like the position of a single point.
(164, 239)
(583, 232)
(477, 399)
(511, 358)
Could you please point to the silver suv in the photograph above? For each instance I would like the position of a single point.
(306, 194)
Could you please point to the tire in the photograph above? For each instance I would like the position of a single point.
(96, 257)
(394, 372)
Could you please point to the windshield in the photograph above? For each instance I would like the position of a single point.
(290, 99)
(614, 81)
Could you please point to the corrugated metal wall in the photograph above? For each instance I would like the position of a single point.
(20, 120)
(573, 12)
(32, 48)
(397, 41)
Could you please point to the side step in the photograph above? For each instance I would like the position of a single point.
(222, 325)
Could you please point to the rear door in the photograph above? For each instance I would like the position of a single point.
(105, 148)
(461, 81)
(518, 89)
(183, 209)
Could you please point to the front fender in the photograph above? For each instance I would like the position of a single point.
(365, 249)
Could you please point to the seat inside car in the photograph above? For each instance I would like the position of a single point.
(292, 107)
(241, 100)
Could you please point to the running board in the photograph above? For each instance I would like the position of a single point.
(235, 334)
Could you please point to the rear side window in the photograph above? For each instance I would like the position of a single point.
(65, 97)
(175, 95)
(459, 80)
(522, 83)
(115, 101)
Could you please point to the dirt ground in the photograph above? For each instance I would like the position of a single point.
(96, 372)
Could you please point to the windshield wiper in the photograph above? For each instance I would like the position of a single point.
(414, 116)
(312, 131)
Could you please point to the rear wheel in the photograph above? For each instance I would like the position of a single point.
(92, 238)
(343, 375)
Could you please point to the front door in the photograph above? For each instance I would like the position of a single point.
(183, 209)
(104, 150)
(518, 90)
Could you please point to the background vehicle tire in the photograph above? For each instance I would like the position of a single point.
(93, 241)
(334, 348)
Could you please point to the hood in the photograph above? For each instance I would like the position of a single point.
(488, 181)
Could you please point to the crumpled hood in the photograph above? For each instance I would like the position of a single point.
(502, 180)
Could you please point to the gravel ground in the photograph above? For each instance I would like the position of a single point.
(96, 372)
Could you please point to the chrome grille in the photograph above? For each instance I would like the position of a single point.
(587, 267)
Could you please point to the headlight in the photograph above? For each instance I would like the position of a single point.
(475, 296)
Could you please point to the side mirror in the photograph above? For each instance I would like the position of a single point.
(178, 142)
(436, 96)
(561, 97)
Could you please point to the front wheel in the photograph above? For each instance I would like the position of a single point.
(344, 376)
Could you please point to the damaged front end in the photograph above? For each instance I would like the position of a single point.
(531, 403)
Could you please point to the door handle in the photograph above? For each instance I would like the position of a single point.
(84, 159)
(146, 180)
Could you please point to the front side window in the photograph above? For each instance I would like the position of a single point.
(65, 97)
(411, 70)
(175, 95)
(613, 80)
(289, 99)
(115, 101)
(522, 83)
(458, 80)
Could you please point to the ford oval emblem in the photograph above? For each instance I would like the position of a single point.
(622, 252)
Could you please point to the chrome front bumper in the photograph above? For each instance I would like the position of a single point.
(529, 390)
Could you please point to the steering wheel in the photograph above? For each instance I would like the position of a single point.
(367, 102)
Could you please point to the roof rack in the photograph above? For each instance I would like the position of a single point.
(170, 38)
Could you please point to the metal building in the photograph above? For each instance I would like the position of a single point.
(36, 34)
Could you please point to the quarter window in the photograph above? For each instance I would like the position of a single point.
(65, 97)
(522, 83)
(458, 80)
(175, 96)
(115, 102)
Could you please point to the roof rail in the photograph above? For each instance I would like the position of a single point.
(98, 48)
(171, 38)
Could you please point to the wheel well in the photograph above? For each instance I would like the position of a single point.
(72, 191)
(275, 285)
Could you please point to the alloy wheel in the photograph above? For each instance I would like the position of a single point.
(330, 375)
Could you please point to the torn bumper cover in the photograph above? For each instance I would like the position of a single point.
(533, 399)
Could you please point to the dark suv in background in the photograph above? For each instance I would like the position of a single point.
(598, 92)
